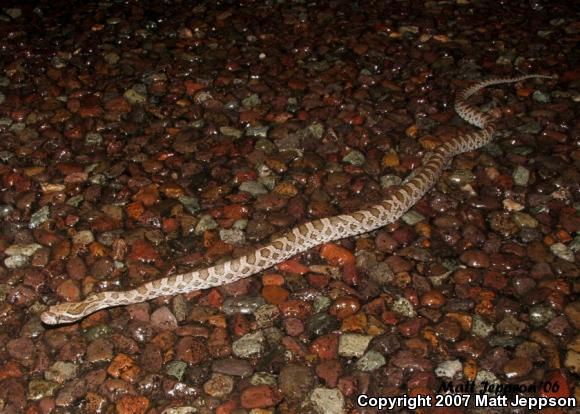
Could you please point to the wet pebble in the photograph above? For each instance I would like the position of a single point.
(132, 404)
(295, 381)
(540, 315)
(60, 372)
(511, 326)
(99, 350)
(253, 187)
(572, 361)
(219, 385)
(353, 345)
(327, 401)
(448, 330)
(245, 305)
(404, 307)
(481, 327)
(17, 261)
(329, 371)
(433, 299)
(233, 367)
(370, 361)
(163, 319)
(521, 176)
(83, 238)
(38, 389)
(517, 368)
(266, 315)
(326, 346)
(344, 307)
(191, 350)
(258, 396)
(249, 345)
(448, 369)
(572, 312)
(22, 349)
(562, 251)
(176, 369)
(22, 249)
(293, 326)
(206, 222)
(321, 323)
(475, 258)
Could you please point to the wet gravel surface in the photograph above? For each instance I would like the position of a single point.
(144, 139)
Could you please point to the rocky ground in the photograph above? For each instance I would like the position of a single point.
(142, 139)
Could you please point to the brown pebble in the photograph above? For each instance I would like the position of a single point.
(326, 346)
(517, 368)
(295, 381)
(275, 295)
(572, 312)
(329, 371)
(295, 308)
(258, 396)
(76, 268)
(433, 299)
(99, 350)
(344, 307)
(132, 404)
(191, 350)
(124, 367)
(475, 258)
(293, 326)
(448, 330)
(163, 319)
(69, 291)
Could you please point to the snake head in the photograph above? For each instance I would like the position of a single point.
(54, 316)
(71, 312)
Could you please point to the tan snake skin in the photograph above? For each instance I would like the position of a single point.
(307, 235)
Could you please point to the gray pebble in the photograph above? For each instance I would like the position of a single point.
(15, 262)
(257, 131)
(562, 251)
(448, 369)
(353, 345)
(61, 372)
(39, 217)
(253, 187)
(327, 401)
(232, 236)
(404, 307)
(22, 249)
(38, 389)
(266, 315)
(249, 345)
(355, 158)
(206, 222)
(232, 366)
(541, 315)
(370, 361)
(245, 305)
(176, 369)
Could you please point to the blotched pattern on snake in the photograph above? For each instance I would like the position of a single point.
(310, 234)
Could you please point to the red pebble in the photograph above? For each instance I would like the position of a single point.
(555, 385)
(240, 324)
(326, 346)
(336, 255)
(295, 309)
(293, 266)
(259, 396)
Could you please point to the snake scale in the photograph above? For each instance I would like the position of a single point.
(310, 234)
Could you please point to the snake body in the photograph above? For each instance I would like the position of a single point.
(310, 234)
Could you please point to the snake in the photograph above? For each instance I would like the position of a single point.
(312, 233)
